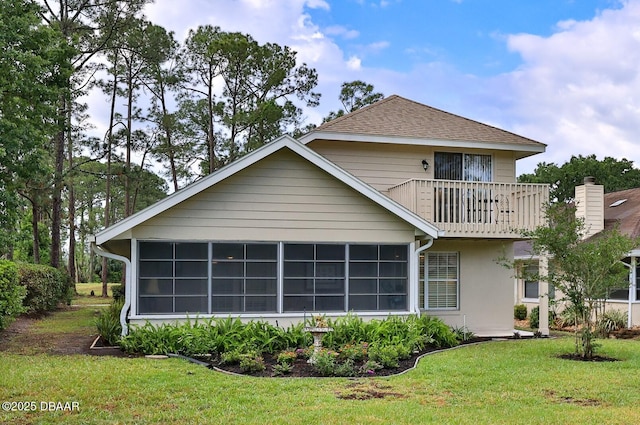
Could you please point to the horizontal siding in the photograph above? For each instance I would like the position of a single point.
(283, 197)
(386, 165)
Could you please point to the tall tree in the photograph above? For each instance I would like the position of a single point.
(86, 26)
(32, 73)
(254, 102)
(353, 96)
(161, 77)
(613, 174)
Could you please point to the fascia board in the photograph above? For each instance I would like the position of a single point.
(367, 138)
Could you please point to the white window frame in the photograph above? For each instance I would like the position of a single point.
(425, 283)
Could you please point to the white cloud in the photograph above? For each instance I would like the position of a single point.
(341, 31)
(578, 90)
(354, 63)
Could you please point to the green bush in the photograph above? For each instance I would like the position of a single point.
(108, 323)
(11, 293)
(520, 311)
(611, 321)
(534, 317)
(250, 363)
(117, 291)
(386, 355)
(46, 287)
(325, 362)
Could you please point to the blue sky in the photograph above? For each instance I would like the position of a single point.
(563, 72)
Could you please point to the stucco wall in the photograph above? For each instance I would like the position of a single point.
(486, 287)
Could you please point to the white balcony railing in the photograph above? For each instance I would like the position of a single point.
(475, 209)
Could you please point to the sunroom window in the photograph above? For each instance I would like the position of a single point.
(173, 277)
(226, 277)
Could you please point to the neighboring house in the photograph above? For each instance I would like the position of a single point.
(395, 209)
(601, 211)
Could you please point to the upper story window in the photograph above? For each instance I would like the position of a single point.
(459, 166)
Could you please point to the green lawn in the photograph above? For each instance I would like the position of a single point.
(84, 294)
(508, 382)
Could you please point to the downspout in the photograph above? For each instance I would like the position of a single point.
(127, 292)
(417, 271)
(631, 286)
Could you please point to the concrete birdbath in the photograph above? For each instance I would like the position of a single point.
(318, 331)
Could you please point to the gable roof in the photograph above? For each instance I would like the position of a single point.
(252, 158)
(399, 120)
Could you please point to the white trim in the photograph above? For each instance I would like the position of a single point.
(195, 316)
(252, 158)
(399, 140)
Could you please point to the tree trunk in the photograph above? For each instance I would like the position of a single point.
(56, 207)
(71, 265)
(107, 202)
(36, 234)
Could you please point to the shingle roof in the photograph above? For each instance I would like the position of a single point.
(626, 214)
(396, 116)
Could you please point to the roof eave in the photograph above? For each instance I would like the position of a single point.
(527, 149)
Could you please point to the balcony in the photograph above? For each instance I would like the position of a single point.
(475, 209)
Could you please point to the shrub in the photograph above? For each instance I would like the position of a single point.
(325, 362)
(117, 291)
(11, 293)
(282, 369)
(611, 321)
(534, 317)
(347, 368)
(355, 352)
(250, 363)
(370, 367)
(520, 311)
(386, 355)
(462, 333)
(108, 323)
(436, 331)
(231, 357)
(287, 357)
(46, 287)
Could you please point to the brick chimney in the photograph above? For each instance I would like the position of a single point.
(590, 206)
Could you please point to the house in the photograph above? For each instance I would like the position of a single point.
(395, 209)
(601, 211)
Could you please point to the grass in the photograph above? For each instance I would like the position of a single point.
(515, 382)
(84, 294)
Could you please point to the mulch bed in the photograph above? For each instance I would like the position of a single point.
(301, 368)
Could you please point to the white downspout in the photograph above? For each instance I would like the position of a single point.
(127, 291)
(632, 282)
(417, 271)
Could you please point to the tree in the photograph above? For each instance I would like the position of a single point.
(584, 270)
(612, 173)
(86, 28)
(30, 74)
(353, 96)
(241, 92)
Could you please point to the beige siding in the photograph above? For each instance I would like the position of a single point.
(590, 207)
(486, 288)
(385, 165)
(283, 197)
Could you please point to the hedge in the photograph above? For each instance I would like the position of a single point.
(46, 287)
(11, 293)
